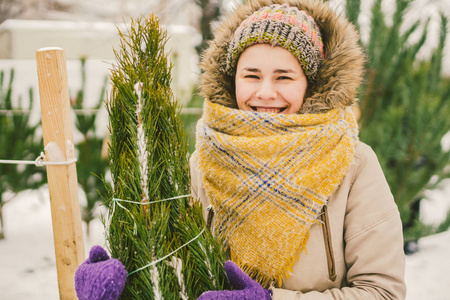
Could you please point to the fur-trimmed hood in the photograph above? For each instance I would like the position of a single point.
(338, 78)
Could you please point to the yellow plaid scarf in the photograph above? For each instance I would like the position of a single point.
(267, 177)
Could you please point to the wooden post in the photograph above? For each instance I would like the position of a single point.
(62, 179)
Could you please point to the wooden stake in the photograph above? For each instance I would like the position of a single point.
(62, 180)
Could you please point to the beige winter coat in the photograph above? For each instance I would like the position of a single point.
(357, 251)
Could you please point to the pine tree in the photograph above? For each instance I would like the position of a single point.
(191, 117)
(210, 12)
(149, 164)
(19, 142)
(405, 109)
(91, 166)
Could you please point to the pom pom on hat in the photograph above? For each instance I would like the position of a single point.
(100, 277)
(280, 25)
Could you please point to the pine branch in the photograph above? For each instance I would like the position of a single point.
(405, 108)
(22, 144)
(149, 162)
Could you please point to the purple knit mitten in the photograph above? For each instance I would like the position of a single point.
(100, 277)
(245, 287)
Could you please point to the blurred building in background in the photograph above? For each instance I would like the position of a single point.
(89, 30)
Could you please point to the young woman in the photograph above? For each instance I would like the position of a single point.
(301, 204)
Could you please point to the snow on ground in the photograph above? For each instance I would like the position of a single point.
(28, 268)
(427, 271)
(27, 255)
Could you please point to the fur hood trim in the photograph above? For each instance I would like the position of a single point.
(338, 78)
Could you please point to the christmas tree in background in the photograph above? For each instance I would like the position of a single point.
(19, 141)
(154, 228)
(405, 110)
(91, 166)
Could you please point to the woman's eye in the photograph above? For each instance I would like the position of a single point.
(284, 78)
(251, 76)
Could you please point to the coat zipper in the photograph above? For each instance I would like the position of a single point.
(328, 244)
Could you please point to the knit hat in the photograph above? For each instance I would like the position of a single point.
(100, 277)
(280, 25)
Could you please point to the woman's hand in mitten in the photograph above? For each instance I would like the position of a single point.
(100, 277)
(245, 288)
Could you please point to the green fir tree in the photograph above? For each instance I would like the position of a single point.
(91, 166)
(19, 141)
(405, 109)
(163, 244)
(210, 12)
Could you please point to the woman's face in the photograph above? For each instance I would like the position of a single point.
(269, 79)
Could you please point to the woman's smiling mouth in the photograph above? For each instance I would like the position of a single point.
(265, 109)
